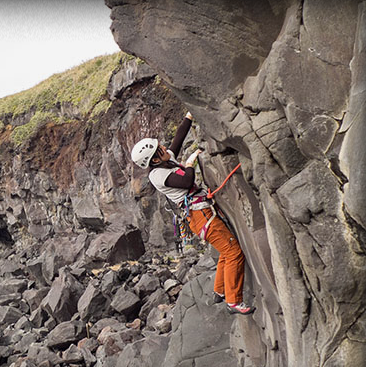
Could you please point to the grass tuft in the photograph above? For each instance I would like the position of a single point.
(83, 87)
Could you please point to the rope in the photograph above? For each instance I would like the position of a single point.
(211, 194)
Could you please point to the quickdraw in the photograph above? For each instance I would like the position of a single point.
(181, 228)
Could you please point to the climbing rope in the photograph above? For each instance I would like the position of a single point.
(210, 194)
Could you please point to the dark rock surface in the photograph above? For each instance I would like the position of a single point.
(280, 87)
(89, 273)
(200, 330)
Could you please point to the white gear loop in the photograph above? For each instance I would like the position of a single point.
(143, 151)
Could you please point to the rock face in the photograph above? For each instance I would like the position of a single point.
(280, 88)
(74, 220)
(200, 329)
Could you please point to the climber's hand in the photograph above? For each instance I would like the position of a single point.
(189, 116)
(192, 158)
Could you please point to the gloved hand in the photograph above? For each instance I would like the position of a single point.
(192, 158)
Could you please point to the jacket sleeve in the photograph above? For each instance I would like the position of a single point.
(181, 134)
(185, 181)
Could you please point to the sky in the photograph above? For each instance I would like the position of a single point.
(39, 38)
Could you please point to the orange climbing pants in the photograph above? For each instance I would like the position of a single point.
(229, 277)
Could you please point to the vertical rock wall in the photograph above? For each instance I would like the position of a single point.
(280, 87)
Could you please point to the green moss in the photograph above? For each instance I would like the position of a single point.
(157, 80)
(24, 132)
(171, 130)
(139, 61)
(101, 107)
(193, 147)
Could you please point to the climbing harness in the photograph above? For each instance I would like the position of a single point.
(194, 201)
(204, 230)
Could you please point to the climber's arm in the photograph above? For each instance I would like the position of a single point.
(182, 179)
(181, 134)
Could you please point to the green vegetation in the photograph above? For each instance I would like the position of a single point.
(157, 80)
(20, 133)
(83, 87)
(101, 107)
(171, 130)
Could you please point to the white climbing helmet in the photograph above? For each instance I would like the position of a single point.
(143, 151)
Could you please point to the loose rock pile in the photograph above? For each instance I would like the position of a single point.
(55, 312)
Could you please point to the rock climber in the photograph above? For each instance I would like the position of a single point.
(176, 181)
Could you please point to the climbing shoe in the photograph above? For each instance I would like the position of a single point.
(240, 308)
(217, 297)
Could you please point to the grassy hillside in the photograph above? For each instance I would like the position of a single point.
(82, 87)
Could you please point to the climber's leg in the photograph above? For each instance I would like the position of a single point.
(224, 241)
(219, 286)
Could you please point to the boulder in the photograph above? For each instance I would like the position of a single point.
(170, 283)
(12, 298)
(39, 354)
(90, 344)
(72, 354)
(9, 315)
(160, 319)
(89, 358)
(55, 256)
(135, 324)
(24, 343)
(66, 333)
(146, 285)
(110, 283)
(61, 300)
(112, 247)
(206, 263)
(10, 267)
(182, 271)
(101, 324)
(35, 296)
(123, 273)
(38, 317)
(163, 274)
(126, 303)
(87, 212)
(91, 304)
(104, 359)
(34, 267)
(13, 285)
(111, 341)
(154, 300)
(23, 324)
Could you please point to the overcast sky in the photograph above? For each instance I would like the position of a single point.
(39, 38)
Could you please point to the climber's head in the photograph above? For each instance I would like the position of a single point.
(161, 155)
(148, 152)
(143, 151)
